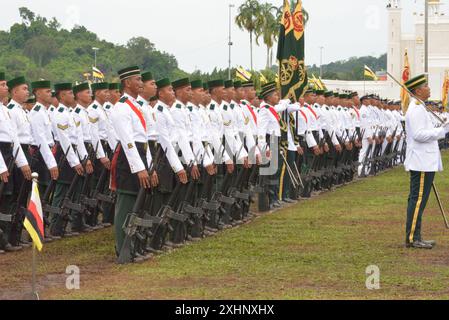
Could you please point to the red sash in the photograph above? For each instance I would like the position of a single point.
(138, 114)
(357, 112)
(113, 185)
(311, 110)
(275, 114)
(304, 115)
(252, 113)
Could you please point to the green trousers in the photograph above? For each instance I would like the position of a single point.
(285, 182)
(5, 227)
(420, 187)
(123, 206)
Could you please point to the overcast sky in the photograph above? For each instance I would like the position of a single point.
(196, 31)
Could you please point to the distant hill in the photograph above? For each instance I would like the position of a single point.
(40, 48)
(351, 69)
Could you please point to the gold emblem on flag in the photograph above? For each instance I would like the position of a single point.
(298, 23)
(288, 69)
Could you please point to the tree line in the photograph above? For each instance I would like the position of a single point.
(40, 48)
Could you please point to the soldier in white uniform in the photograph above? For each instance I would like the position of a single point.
(216, 129)
(9, 147)
(68, 138)
(113, 97)
(366, 125)
(269, 130)
(132, 158)
(18, 89)
(43, 141)
(148, 91)
(423, 159)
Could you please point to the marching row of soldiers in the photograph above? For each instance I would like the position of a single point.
(169, 162)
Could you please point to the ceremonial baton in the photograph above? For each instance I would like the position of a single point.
(437, 195)
(419, 100)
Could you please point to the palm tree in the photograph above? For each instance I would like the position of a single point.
(268, 29)
(249, 19)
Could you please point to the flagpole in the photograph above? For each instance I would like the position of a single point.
(34, 294)
(364, 83)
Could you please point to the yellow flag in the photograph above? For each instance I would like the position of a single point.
(97, 73)
(444, 99)
(405, 97)
(323, 86)
(262, 79)
(370, 74)
(242, 74)
(287, 17)
(317, 82)
(298, 20)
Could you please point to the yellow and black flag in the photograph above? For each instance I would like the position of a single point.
(34, 219)
(292, 70)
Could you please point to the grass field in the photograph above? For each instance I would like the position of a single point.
(317, 249)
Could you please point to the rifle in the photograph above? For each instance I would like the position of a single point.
(368, 156)
(17, 213)
(97, 193)
(85, 200)
(46, 207)
(387, 155)
(10, 167)
(6, 217)
(137, 224)
(67, 205)
(165, 215)
(241, 198)
(186, 213)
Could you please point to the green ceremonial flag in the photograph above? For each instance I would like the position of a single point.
(292, 70)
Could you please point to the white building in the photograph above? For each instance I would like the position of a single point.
(399, 43)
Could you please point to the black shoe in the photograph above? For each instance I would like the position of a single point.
(10, 248)
(210, 229)
(419, 245)
(276, 204)
(25, 244)
(433, 243)
(142, 258)
(154, 251)
(193, 239)
(209, 233)
(48, 239)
